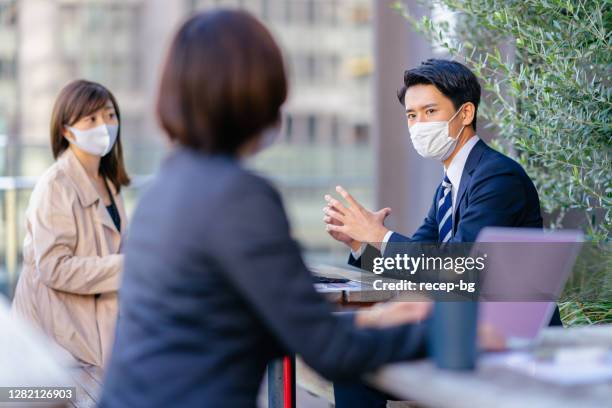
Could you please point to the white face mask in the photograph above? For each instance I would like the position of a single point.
(431, 139)
(97, 141)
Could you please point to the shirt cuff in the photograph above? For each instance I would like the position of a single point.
(383, 244)
(357, 254)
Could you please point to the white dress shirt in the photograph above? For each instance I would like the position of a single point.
(454, 173)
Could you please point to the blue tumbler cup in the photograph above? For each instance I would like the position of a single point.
(453, 335)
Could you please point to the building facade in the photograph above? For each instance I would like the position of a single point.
(121, 43)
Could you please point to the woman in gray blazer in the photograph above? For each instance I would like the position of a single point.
(214, 286)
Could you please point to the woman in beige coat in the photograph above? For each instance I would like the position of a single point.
(75, 224)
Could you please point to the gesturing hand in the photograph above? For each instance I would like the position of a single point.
(354, 221)
(340, 236)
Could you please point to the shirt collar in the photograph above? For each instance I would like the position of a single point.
(455, 169)
(74, 169)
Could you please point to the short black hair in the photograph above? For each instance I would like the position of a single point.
(453, 79)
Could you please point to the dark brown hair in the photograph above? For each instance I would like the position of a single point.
(223, 82)
(78, 99)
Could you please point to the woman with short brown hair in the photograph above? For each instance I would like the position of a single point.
(75, 224)
(214, 286)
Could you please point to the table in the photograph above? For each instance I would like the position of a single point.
(490, 385)
(281, 373)
(365, 295)
(494, 386)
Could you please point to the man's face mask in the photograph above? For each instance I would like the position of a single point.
(431, 139)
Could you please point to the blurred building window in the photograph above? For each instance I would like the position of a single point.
(265, 9)
(360, 13)
(8, 13)
(312, 129)
(8, 68)
(328, 12)
(311, 67)
(99, 40)
(311, 7)
(335, 131)
(288, 8)
(288, 127)
(361, 133)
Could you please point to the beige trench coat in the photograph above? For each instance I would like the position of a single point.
(71, 266)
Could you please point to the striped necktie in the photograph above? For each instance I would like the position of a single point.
(445, 212)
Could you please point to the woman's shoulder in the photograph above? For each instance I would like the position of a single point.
(208, 186)
(55, 184)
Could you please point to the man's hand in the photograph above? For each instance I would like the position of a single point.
(354, 221)
(489, 339)
(339, 236)
(393, 314)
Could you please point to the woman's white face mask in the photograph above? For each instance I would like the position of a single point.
(97, 141)
(432, 140)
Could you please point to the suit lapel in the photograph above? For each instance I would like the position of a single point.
(466, 177)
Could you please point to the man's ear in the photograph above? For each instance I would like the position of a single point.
(468, 114)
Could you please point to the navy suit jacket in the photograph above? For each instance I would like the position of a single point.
(214, 288)
(494, 191)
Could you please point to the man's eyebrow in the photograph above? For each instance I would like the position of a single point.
(429, 105)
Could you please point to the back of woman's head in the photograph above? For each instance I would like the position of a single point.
(223, 82)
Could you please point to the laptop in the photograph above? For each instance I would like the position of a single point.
(526, 272)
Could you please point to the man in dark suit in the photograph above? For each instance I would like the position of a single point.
(480, 187)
